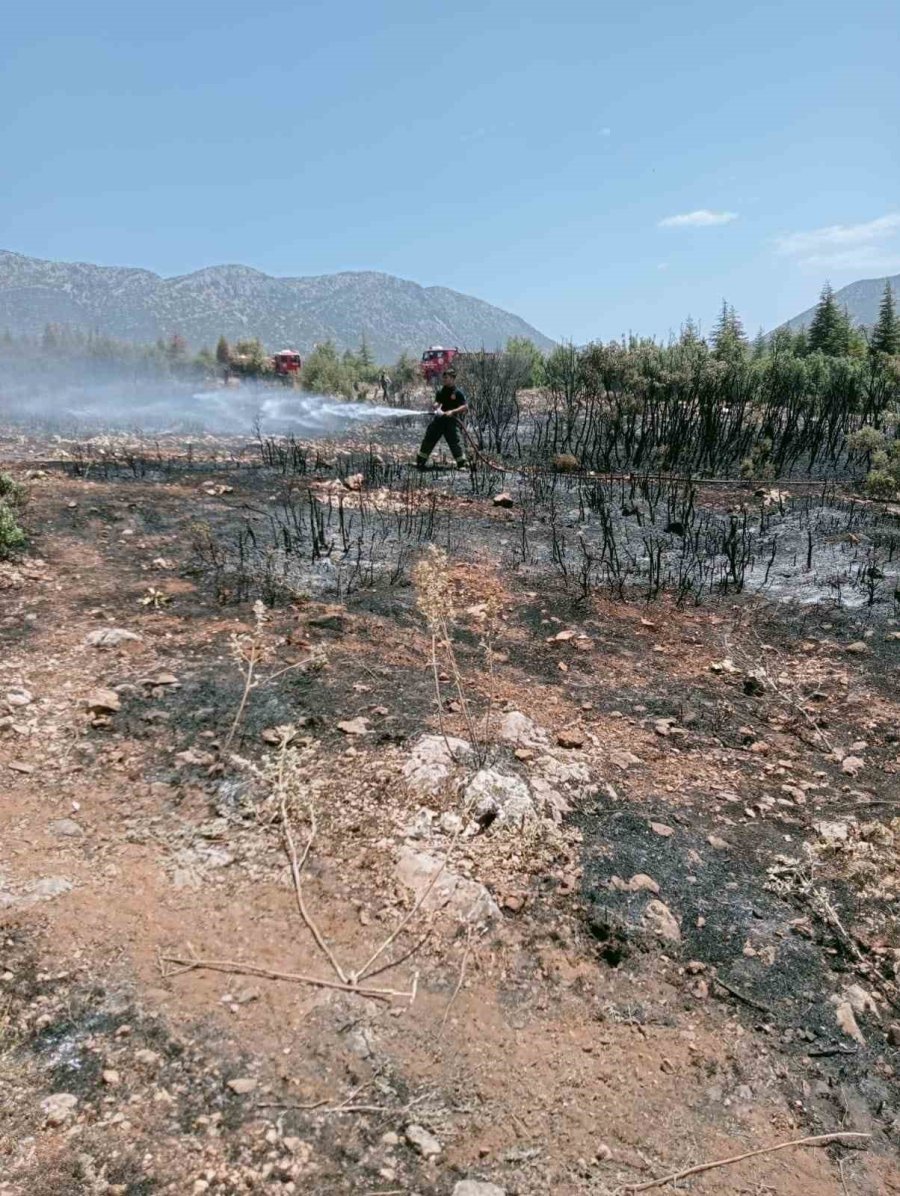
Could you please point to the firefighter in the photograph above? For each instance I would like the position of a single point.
(450, 404)
(385, 383)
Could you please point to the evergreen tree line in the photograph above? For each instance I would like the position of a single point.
(821, 402)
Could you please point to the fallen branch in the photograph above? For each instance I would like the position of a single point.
(252, 969)
(824, 1052)
(320, 1107)
(674, 1176)
(739, 996)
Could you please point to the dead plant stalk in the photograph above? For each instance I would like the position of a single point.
(675, 1176)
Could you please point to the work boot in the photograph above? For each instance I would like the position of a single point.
(463, 464)
(421, 463)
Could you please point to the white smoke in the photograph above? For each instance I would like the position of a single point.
(161, 409)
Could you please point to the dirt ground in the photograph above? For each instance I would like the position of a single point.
(689, 952)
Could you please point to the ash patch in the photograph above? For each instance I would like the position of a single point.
(150, 1110)
(780, 970)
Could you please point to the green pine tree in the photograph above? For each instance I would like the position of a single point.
(830, 328)
(886, 333)
(690, 333)
(223, 351)
(729, 342)
(783, 342)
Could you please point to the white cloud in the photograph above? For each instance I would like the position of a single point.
(872, 245)
(702, 218)
(866, 259)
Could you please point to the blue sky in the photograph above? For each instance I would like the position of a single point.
(534, 155)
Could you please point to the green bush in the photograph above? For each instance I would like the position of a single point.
(865, 440)
(326, 373)
(880, 484)
(10, 490)
(11, 535)
(883, 481)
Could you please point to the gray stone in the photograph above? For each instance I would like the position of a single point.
(103, 701)
(477, 1187)
(66, 828)
(109, 637)
(519, 730)
(421, 825)
(59, 1107)
(574, 773)
(45, 889)
(659, 920)
(548, 800)
(462, 898)
(421, 1140)
(432, 762)
(506, 796)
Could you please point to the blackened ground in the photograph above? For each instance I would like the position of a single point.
(780, 976)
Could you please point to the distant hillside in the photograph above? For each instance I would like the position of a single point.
(861, 300)
(395, 315)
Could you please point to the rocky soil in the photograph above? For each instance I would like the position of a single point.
(303, 898)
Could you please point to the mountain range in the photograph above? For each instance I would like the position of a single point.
(861, 299)
(393, 314)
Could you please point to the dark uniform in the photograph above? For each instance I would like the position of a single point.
(448, 398)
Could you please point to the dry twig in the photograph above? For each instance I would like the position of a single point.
(297, 865)
(674, 1176)
(459, 982)
(235, 967)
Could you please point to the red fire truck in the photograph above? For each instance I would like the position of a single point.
(287, 364)
(435, 360)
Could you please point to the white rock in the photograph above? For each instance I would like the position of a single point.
(623, 759)
(109, 637)
(66, 828)
(833, 830)
(421, 826)
(519, 730)
(242, 1085)
(845, 1018)
(422, 1141)
(45, 889)
(548, 800)
(59, 1107)
(19, 697)
(507, 796)
(103, 701)
(659, 920)
(477, 1187)
(431, 763)
(465, 899)
(563, 772)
